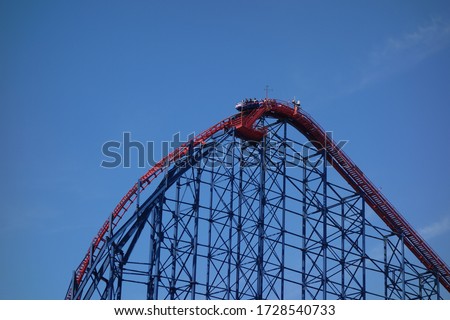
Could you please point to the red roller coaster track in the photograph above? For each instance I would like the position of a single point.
(244, 126)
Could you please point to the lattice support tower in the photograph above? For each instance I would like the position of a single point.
(263, 205)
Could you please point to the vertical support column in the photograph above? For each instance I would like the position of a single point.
(395, 266)
(402, 265)
(421, 285)
(230, 224)
(325, 225)
(174, 245)
(304, 219)
(386, 268)
(159, 240)
(210, 225)
(283, 214)
(262, 203)
(119, 277)
(343, 291)
(112, 253)
(239, 224)
(196, 207)
(438, 286)
(156, 238)
(152, 255)
(364, 257)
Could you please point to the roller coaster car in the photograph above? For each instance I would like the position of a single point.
(247, 104)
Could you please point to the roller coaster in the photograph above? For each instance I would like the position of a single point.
(262, 205)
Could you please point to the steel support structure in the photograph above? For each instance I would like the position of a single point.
(240, 219)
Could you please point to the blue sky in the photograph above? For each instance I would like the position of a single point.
(75, 74)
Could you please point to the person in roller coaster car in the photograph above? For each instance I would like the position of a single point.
(296, 105)
(247, 104)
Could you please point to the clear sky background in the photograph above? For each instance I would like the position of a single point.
(75, 74)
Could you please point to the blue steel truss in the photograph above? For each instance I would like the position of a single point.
(237, 219)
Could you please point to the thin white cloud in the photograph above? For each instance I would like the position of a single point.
(436, 228)
(398, 54)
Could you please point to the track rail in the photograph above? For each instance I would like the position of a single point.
(303, 122)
